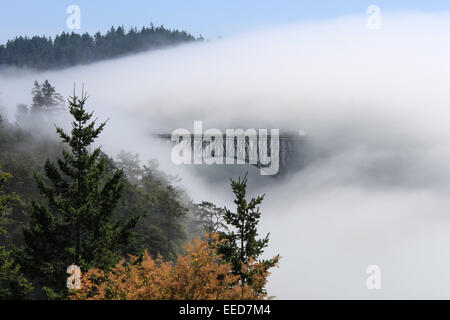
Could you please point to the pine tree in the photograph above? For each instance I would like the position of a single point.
(51, 99)
(37, 98)
(241, 245)
(45, 97)
(77, 224)
(13, 284)
(130, 164)
(172, 211)
(210, 217)
(5, 199)
(166, 212)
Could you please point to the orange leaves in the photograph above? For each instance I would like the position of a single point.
(200, 274)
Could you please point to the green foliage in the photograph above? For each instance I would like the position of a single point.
(171, 210)
(241, 242)
(44, 98)
(37, 98)
(76, 225)
(210, 217)
(5, 199)
(22, 154)
(13, 284)
(68, 49)
(151, 193)
(50, 98)
(85, 206)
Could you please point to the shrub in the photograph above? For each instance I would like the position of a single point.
(199, 274)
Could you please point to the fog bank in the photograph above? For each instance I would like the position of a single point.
(375, 106)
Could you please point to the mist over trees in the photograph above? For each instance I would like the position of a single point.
(69, 49)
(64, 201)
(45, 98)
(42, 224)
(75, 224)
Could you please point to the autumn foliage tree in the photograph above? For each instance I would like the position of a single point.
(200, 274)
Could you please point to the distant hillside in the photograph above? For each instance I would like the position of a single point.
(69, 49)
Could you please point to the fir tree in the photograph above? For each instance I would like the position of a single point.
(171, 211)
(241, 244)
(76, 225)
(13, 284)
(210, 217)
(130, 164)
(51, 99)
(37, 98)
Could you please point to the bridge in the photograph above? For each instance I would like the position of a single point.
(242, 149)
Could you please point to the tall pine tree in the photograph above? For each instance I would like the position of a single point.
(76, 225)
(37, 104)
(172, 211)
(241, 244)
(51, 99)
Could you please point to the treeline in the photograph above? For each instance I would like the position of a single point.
(69, 49)
(64, 202)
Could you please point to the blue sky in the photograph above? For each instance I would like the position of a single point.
(207, 17)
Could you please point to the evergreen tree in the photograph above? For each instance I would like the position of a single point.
(13, 284)
(45, 97)
(69, 49)
(210, 217)
(37, 104)
(5, 199)
(171, 211)
(77, 224)
(51, 99)
(241, 245)
(130, 164)
(149, 192)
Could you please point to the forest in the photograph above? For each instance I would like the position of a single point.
(128, 226)
(131, 229)
(70, 49)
